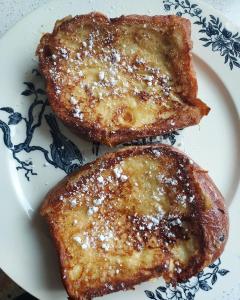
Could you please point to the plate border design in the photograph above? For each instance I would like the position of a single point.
(63, 154)
(187, 290)
(216, 36)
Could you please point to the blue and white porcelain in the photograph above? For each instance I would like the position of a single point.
(37, 150)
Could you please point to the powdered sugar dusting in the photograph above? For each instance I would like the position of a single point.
(101, 192)
(77, 113)
(100, 179)
(114, 200)
(118, 172)
(73, 100)
(99, 51)
(73, 202)
(167, 180)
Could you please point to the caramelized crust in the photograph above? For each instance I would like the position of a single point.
(133, 215)
(114, 80)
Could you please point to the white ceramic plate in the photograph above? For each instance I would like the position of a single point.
(26, 251)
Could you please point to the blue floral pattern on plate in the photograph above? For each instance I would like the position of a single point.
(63, 153)
(188, 289)
(216, 36)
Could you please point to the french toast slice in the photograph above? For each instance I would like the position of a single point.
(133, 215)
(114, 80)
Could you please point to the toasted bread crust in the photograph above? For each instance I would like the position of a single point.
(207, 215)
(179, 60)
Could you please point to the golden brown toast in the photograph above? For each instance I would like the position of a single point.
(133, 215)
(114, 80)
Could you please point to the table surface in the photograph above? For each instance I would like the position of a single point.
(11, 11)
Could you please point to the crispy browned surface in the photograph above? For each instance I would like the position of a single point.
(132, 215)
(114, 80)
